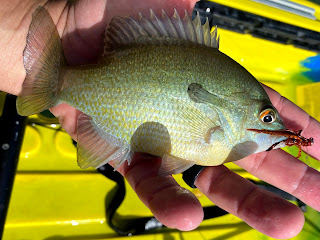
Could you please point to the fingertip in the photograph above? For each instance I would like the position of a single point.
(274, 216)
(287, 225)
(177, 208)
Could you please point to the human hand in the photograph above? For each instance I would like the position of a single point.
(81, 27)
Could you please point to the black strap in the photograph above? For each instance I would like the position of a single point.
(123, 226)
(12, 128)
(191, 175)
(133, 226)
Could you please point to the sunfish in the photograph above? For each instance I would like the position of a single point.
(161, 87)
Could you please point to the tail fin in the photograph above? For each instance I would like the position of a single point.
(43, 60)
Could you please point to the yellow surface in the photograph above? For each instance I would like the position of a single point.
(54, 199)
(309, 98)
(276, 14)
(275, 64)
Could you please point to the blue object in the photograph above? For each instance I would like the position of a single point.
(313, 63)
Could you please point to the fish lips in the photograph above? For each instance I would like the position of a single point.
(266, 141)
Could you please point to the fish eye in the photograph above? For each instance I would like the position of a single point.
(268, 116)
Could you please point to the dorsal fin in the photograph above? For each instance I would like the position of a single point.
(124, 31)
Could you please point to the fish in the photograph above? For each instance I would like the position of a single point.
(161, 86)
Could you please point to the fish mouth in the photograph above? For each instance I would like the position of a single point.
(270, 139)
(290, 138)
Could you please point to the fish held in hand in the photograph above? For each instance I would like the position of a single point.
(161, 86)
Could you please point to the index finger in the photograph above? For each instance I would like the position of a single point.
(297, 119)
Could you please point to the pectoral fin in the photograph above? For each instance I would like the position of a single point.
(199, 94)
(96, 147)
(173, 165)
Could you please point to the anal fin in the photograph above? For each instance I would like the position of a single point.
(96, 147)
(173, 165)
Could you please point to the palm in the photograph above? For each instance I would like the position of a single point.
(171, 204)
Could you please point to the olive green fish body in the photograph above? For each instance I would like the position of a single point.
(171, 94)
(146, 91)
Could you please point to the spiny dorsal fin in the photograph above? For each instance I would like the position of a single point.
(124, 31)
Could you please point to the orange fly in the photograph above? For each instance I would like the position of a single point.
(293, 138)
